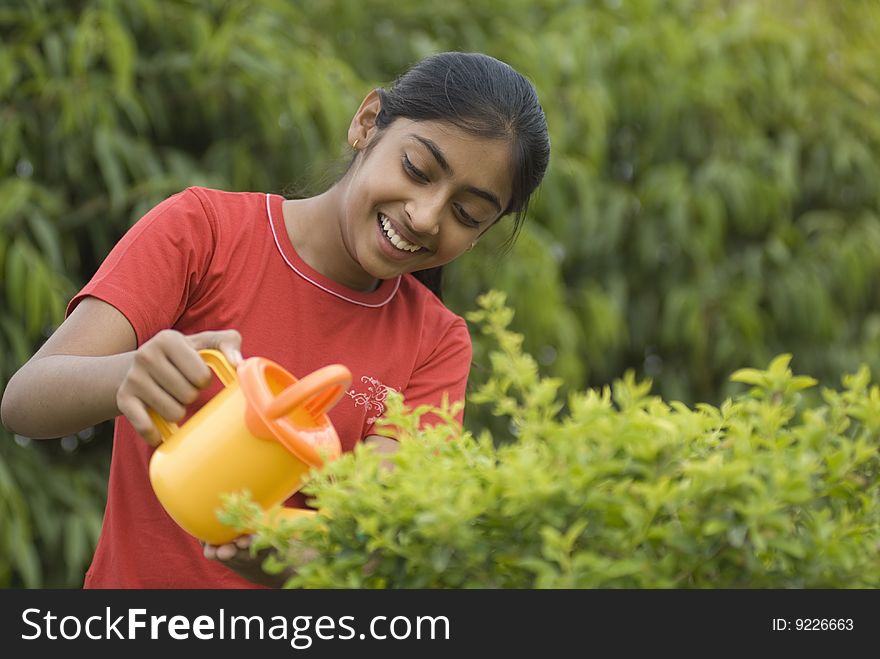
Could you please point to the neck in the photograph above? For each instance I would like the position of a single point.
(315, 228)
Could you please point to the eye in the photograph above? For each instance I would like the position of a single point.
(464, 217)
(414, 171)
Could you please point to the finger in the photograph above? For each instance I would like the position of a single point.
(184, 358)
(141, 385)
(243, 542)
(136, 413)
(230, 350)
(226, 341)
(227, 552)
(170, 351)
(180, 385)
(210, 551)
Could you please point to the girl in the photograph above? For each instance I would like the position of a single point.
(350, 276)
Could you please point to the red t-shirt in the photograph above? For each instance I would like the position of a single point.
(209, 260)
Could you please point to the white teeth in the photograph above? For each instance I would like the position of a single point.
(395, 237)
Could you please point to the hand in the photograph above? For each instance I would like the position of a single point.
(167, 374)
(237, 556)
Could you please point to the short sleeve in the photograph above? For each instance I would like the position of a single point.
(152, 274)
(444, 372)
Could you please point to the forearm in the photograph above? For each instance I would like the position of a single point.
(385, 446)
(57, 395)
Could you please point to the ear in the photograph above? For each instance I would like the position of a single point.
(363, 124)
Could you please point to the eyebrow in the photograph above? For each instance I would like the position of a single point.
(444, 165)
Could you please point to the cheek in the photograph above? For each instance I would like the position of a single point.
(456, 242)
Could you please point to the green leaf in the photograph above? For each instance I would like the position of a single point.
(17, 275)
(111, 169)
(47, 238)
(750, 376)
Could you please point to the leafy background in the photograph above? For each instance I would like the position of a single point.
(711, 200)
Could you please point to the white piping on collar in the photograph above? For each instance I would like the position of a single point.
(312, 281)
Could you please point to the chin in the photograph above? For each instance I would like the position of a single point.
(382, 271)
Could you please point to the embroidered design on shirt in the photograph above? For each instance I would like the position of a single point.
(373, 399)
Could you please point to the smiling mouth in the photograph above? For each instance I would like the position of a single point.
(395, 238)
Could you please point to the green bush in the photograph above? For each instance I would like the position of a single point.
(55, 498)
(711, 199)
(611, 488)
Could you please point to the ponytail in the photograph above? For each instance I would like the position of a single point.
(432, 278)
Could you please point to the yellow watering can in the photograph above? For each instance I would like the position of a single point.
(262, 432)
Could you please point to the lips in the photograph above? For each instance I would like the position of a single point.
(396, 239)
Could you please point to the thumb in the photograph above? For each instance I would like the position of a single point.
(226, 341)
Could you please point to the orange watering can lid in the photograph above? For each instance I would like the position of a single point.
(292, 411)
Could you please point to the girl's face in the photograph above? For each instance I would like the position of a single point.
(420, 194)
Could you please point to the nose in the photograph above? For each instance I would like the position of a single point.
(424, 215)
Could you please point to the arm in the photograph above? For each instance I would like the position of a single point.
(384, 445)
(71, 381)
(91, 370)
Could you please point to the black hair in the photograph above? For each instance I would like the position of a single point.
(486, 98)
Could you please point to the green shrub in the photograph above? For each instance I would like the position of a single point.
(611, 488)
(53, 497)
(711, 199)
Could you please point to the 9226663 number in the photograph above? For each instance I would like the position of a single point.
(823, 624)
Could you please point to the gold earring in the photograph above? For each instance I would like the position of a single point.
(355, 143)
(472, 245)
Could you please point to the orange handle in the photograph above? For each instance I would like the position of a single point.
(319, 390)
(224, 371)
